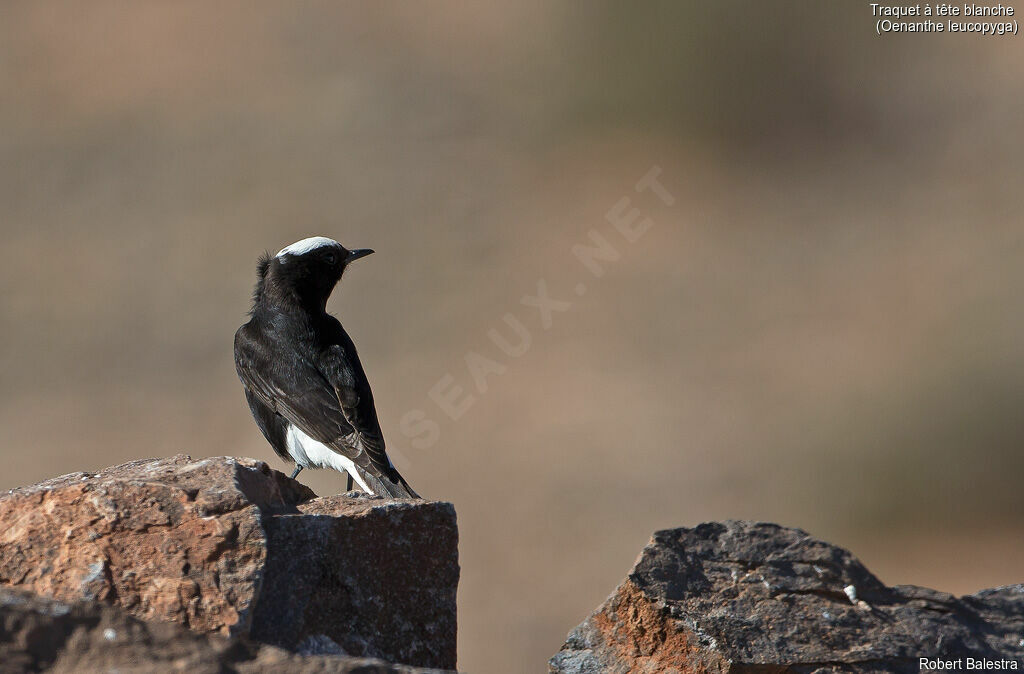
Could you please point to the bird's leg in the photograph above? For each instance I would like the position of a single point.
(349, 488)
(297, 470)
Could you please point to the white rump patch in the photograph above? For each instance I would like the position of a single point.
(310, 453)
(306, 245)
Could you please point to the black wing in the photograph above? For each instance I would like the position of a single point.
(353, 396)
(326, 396)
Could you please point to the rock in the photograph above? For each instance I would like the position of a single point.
(754, 597)
(229, 546)
(370, 568)
(44, 634)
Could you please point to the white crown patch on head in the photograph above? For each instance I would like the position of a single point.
(306, 245)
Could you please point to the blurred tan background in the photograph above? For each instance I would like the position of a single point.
(825, 329)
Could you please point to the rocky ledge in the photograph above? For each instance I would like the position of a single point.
(38, 634)
(230, 547)
(754, 597)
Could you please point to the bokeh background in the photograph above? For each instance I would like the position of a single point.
(824, 330)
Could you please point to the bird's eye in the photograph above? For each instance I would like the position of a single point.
(330, 258)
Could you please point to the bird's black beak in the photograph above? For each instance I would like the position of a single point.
(354, 255)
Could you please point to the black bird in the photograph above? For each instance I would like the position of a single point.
(302, 377)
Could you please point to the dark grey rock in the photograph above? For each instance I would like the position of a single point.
(755, 597)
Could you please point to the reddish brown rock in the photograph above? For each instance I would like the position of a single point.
(754, 597)
(229, 546)
(38, 634)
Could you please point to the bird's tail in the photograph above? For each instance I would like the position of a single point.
(393, 486)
